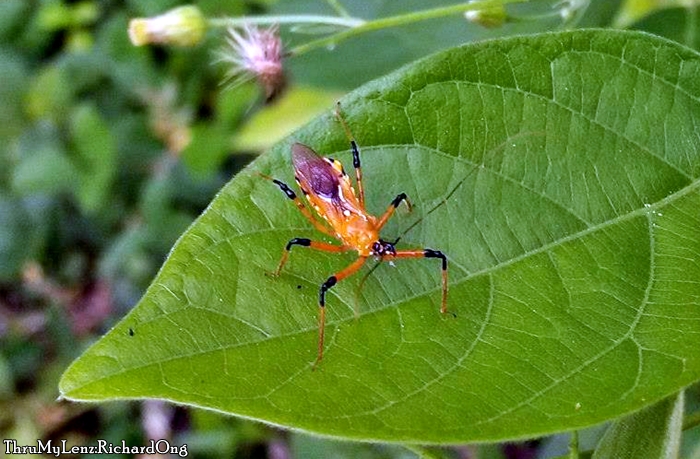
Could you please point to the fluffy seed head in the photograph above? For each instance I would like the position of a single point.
(255, 53)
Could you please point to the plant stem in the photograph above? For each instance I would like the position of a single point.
(355, 26)
(395, 21)
(535, 17)
(573, 445)
(287, 19)
(340, 9)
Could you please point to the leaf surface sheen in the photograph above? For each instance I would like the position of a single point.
(570, 161)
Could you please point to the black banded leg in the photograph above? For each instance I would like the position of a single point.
(330, 282)
(401, 197)
(300, 205)
(355, 156)
(303, 242)
(358, 172)
(429, 253)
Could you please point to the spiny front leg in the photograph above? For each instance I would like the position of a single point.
(298, 202)
(401, 197)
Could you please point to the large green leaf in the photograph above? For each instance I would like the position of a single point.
(569, 164)
(652, 433)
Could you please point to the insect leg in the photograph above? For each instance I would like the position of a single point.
(330, 282)
(307, 243)
(428, 253)
(392, 207)
(355, 156)
(300, 205)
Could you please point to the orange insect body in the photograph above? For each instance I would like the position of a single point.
(330, 193)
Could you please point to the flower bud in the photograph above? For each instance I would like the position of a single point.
(489, 17)
(182, 26)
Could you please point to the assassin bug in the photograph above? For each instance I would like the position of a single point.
(329, 191)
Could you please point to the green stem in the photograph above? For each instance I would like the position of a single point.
(395, 21)
(535, 17)
(340, 9)
(287, 19)
(573, 445)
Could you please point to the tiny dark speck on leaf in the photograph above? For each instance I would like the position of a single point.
(131, 332)
(298, 286)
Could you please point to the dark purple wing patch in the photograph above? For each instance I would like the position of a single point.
(314, 171)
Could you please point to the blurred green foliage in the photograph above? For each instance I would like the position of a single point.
(94, 191)
(109, 151)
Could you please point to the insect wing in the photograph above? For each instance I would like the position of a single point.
(325, 185)
(314, 174)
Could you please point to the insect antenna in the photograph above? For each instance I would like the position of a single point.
(358, 290)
